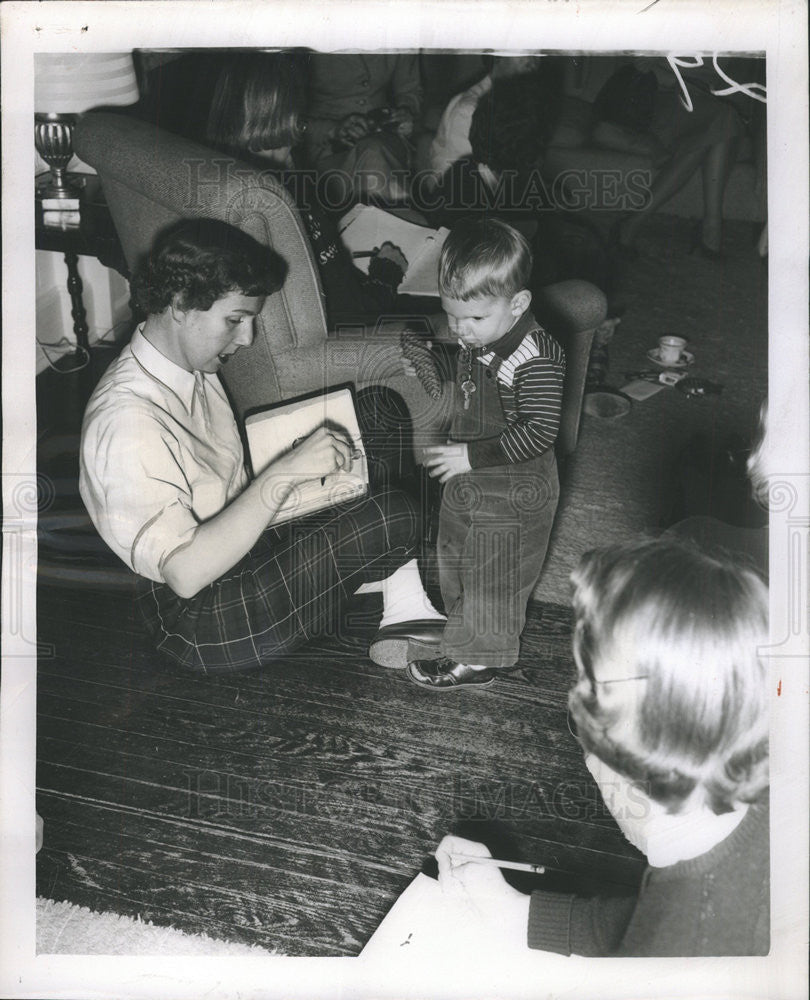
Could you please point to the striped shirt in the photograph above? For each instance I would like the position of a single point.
(529, 367)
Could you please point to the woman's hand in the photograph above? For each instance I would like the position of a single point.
(389, 252)
(219, 543)
(351, 129)
(323, 452)
(403, 119)
(443, 461)
(502, 907)
(388, 265)
(457, 875)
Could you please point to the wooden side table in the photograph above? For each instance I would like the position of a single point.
(94, 236)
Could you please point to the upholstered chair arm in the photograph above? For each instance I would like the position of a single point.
(365, 361)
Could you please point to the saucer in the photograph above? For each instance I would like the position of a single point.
(686, 359)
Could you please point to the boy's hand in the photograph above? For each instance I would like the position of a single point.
(443, 461)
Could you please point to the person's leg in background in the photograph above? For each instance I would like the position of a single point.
(717, 166)
(385, 424)
(705, 138)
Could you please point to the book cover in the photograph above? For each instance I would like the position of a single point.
(273, 431)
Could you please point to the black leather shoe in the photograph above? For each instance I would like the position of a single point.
(445, 674)
(389, 647)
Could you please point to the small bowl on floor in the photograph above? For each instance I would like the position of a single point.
(606, 405)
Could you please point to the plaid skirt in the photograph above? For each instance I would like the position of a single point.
(294, 583)
(292, 586)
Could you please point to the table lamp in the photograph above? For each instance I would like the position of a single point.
(66, 84)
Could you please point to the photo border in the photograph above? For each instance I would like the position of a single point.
(778, 28)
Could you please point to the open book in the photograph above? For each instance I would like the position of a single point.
(365, 227)
(273, 431)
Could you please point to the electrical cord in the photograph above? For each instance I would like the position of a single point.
(49, 350)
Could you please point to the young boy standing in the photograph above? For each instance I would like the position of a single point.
(498, 469)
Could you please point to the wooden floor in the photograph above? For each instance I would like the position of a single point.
(289, 807)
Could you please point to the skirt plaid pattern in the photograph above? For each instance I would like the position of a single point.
(290, 588)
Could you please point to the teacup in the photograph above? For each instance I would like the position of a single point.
(670, 349)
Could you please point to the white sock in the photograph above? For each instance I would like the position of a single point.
(404, 597)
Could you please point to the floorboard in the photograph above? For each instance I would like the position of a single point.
(290, 807)
(287, 807)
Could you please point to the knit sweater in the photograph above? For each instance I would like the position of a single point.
(529, 367)
(715, 904)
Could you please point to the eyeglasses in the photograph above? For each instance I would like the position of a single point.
(582, 645)
(592, 746)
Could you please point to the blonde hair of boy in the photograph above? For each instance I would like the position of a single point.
(484, 258)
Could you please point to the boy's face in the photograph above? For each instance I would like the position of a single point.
(483, 321)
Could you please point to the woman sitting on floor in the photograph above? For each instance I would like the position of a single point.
(257, 114)
(671, 708)
(163, 478)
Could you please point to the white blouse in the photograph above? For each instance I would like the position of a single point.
(160, 453)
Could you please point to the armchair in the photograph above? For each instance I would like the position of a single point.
(152, 177)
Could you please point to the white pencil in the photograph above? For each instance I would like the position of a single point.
(515, 866)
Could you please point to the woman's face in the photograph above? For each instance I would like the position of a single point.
(208, 338)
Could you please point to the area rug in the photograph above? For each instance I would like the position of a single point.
(65, 929)
(618, 483)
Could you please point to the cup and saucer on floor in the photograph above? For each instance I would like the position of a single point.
(671, 353)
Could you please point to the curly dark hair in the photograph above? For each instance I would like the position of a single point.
(198, 261)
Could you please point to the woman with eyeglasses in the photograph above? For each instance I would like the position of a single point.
(670, 706)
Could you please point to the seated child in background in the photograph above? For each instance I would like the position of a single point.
(499, 469)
